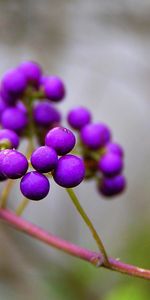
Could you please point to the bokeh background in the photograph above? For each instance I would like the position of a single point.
(101, 50)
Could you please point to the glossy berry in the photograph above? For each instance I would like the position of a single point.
(110, 164)
(32, 72)
(13, 163)
(112, 186)
(15, 119)
(114, 148)
(14, 82)
(45, 114)
(79, 117)
(11, 136)
(70, 171)
(44, 159)
(54, 88)
(61, 139)
(94, 136)
(35, 186)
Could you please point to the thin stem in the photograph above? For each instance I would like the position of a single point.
(5, 193)
(96, 259)
(88, 223)
(22, 206)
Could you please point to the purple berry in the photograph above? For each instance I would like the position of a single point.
(44, 159)
(13, 163)
(35, 186)
(114, 148)
(112, 186)
(95, 135)
(61, 139)
(7, 134)
(45, 114)
(79, 117)
(54, 88)
(15, 119)
(70, 171)
(14, 82)
(32, 72)
(110, 164)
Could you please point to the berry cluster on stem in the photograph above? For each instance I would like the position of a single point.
(28, 100)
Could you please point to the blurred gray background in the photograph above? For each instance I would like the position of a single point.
(102, 51)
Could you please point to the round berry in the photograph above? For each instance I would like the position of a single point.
(95, 135)
(110, 164)
(54, 88)
(15, 119)
(44, 159)
(11, 136)
(13, 164)
(45, 114)
(112, 186)
(114, 148)
(34, 186)
(70, 171)
(61, 139)
(32, 72)
(14, 82)
(79, 117)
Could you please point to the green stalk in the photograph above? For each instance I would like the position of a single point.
(88, 223)
(5, 193)
(22, 206)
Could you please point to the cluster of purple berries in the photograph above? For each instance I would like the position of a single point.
(26, 95)
(67, 170)
(27, 99)
(103, 158)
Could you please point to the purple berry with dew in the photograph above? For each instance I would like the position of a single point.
(70, 171)
(112, 186)
(79, 117)
(15, 119)
(32, 72)
(110, 164)
(11, 136)
(54, 88)
(14, 164)
(44, 159)
(114, 148)
(45, 114)
(35, 186)
(14, 82)
(95, 136)
(61, 139)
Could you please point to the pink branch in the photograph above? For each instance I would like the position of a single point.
(72, 249)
